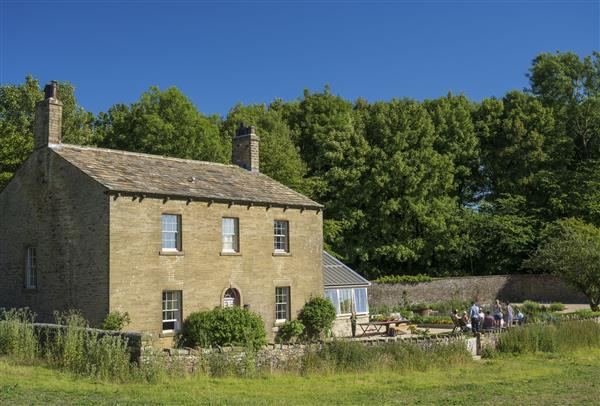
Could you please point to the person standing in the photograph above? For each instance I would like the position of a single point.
(353, 324)
(510, 314)
(474, 314)
(497, 313)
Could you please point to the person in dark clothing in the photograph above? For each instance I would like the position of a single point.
(474, 314)
(488, 321)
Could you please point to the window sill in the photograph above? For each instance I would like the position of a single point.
(282, 254)
(30, 290)
(279, 323)
(171, 253)
(166, 334)
(230, 254)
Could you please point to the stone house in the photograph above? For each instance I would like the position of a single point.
(102, 230)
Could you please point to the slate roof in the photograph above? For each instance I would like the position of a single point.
(336, 273)
(131, 172)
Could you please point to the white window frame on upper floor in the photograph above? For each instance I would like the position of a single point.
(166, 230)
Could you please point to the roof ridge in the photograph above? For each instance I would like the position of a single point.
(140, 154)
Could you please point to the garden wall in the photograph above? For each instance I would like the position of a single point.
(513, 288)
(280, 356)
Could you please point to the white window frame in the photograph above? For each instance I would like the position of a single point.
(353, 298)
(31, 268)
(279, 302)
(235, 236)
(171, 303)
(177, 232)
(285, 235)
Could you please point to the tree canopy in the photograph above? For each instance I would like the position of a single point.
(447, 186)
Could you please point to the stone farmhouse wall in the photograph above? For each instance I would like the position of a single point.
(54, 207)
(139, 272)
(513, 288)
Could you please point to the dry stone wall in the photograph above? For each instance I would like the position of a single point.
(513, 288)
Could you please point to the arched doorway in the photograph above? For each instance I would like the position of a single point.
(231, 298)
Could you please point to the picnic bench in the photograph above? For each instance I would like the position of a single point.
(378, 326)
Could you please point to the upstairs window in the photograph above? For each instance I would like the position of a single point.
(171, 232)
(31, 268)
(282, 304)
(281, 236)
(171, 313)
(230, 234)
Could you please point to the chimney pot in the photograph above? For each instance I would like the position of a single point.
(51, 90)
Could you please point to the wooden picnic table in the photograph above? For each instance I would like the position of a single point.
(380, 325)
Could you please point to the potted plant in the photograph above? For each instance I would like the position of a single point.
(422, 309)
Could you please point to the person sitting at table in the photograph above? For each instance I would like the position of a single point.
(456, 320)
(488, 321)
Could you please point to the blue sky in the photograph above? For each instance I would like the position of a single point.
(221, 53)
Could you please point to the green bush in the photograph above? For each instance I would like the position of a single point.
(223, 326)
(556, 307)
(531, 307)
(419, 307)
(405, 279)
(586, 313)
(115, 321)
(291, 329)
(317, 315)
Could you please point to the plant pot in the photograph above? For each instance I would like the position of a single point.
(425, 312)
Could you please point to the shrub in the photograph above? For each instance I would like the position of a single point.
(556, 307)
(586, 313)
(223, 326)
(531, 307)
(115, 321)
(317, 315)
(405, 279)
(419, 307)
(290, 330)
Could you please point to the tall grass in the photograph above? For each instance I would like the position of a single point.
(352, 356)
(561, 336)
(17, 336)
(84, 351)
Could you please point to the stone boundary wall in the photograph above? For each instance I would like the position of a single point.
(279, 356)
(513, 288)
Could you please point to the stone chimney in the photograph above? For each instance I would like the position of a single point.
(245, 148)
(48, 118)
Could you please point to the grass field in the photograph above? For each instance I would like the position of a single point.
(533, 380)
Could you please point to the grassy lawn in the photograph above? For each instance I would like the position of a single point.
(533, 379)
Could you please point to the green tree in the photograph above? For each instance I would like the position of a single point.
(571, 86)
(498, 237)
(17, 119)
(457, 139)
(571, 250)
(279, 157)
(406, 193)
(322, 126)
(163, 123)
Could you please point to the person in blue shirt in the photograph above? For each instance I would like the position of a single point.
(474, 314)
